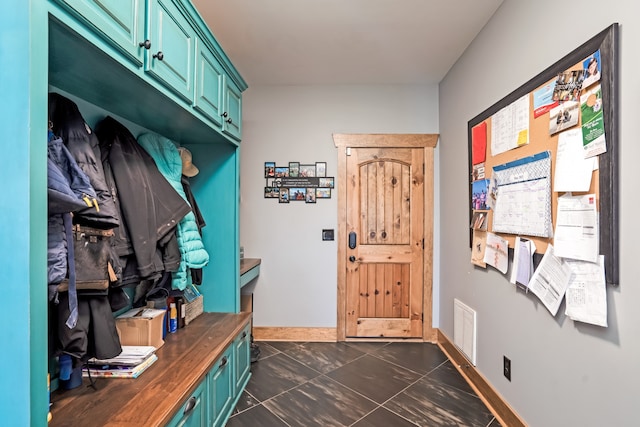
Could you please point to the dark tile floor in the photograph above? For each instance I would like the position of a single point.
(357, 384)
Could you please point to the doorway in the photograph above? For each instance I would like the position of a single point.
(385, 236)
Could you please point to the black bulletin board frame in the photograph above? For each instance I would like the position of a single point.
(607, 42)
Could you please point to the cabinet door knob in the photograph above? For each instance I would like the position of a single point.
(146, 44)
(352, 258)
(229, 120)
(225, 114)
(244, 335)
(159, 56)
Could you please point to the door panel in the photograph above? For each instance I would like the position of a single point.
(385, 208)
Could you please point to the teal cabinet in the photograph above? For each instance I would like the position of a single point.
(119, 22)
(221, 381)
(209, 80)
(232, 110)
(193, 412)
(171, 57)
(242, 347)
(95, 50)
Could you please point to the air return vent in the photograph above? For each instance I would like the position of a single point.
(464, 329)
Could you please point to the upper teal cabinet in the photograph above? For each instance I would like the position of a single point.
(167, 44)
(209, 82)
(119, 22)
(170, 58)
(232, 110)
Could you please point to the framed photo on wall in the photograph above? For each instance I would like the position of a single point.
(284, 195)
(307, 171)
(321, 169)
(269, 169)
(323, 193)
(311, 195)
(294, 169)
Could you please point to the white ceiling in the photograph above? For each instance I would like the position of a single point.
(306, 42)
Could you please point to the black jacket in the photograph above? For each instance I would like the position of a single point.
(80, 140)
(150, 207)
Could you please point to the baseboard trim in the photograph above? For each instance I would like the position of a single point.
(262, 333)
(502, 411)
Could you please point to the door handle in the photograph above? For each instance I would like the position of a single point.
(352, 240)
(352, 258)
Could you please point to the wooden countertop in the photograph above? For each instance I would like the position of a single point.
(155, 396)
(247, 264)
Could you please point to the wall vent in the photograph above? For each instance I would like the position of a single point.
(464, 329)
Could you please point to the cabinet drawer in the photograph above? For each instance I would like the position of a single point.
(194, 411)
(118, 22)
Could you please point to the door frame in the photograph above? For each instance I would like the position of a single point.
(428, 142)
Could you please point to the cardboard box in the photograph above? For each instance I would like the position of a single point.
(141, 326)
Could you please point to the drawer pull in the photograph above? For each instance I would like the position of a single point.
(191, 404)
(224, 361)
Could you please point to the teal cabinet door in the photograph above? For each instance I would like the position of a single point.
(221, 388)
(208, 84)
(194, 411)
(242, 346)
(171, 57)
(232, 111)
(118, 22)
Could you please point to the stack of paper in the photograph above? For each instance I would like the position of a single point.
(129, 364)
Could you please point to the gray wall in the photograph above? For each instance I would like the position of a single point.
(564, 373)
(298, 278)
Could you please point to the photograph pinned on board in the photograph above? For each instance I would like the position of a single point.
(478, 172)
(592, 70)
(568, 86)
(564, 116)
(479, 220)
(284, 195)
(480, 189)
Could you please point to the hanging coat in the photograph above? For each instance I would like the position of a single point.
(151, 208)
(82, 143)
(192, 251)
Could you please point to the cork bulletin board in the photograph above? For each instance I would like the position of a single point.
(571, 93)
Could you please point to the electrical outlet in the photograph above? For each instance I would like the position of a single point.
(506, 367)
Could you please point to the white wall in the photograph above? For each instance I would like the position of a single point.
(297, 283)
(564, 373)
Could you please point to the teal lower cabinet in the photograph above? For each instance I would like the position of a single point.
(221, 380)
(194, 412)
(242, 346)
(200, 373)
